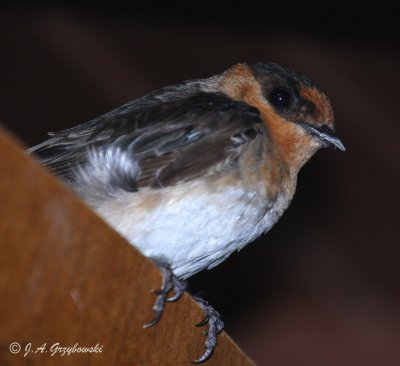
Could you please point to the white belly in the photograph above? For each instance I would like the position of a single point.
(190, 226)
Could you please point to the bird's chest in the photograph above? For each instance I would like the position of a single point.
(192, 225)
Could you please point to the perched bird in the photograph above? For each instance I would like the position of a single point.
(192, 172)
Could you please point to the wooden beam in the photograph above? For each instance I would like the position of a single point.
(68, 278)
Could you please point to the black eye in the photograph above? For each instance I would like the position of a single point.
(281, 97)
(251, 133)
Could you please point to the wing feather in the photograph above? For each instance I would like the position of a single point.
(171, 142)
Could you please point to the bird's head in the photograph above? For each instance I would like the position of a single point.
(298, 115)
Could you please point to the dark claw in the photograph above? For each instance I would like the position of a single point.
(161, 292)
(169, 282)
(215, 325)
(203, 322)
(158, 308)
(153, 322)
(207, 354)
(179, 288)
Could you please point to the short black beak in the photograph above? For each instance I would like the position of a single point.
(326, 135)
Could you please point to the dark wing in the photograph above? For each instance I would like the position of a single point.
(172, 142)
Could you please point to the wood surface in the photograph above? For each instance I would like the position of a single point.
(67, 278)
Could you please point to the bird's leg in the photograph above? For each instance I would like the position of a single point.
(170, 282)
(211, 316)
(215, 325)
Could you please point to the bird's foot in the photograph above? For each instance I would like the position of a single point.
(170, 282)
(211, 316)
(215, 326)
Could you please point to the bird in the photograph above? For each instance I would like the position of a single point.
(193, 172)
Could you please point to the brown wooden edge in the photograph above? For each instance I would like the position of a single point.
(66, 278)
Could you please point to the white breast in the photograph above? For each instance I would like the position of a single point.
(191, 226)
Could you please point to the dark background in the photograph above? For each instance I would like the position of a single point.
(322, 287)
